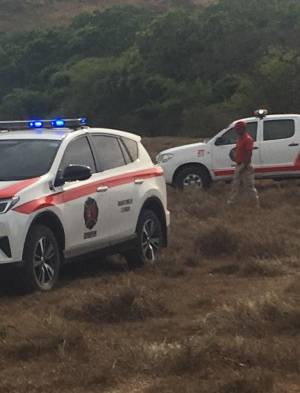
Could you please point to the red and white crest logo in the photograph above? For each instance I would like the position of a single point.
(91, 213)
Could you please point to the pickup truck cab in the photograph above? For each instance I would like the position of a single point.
(276, 153)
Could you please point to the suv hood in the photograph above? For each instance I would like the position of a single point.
(8, 189)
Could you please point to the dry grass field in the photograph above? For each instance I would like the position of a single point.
(20, 15)
(218, 314)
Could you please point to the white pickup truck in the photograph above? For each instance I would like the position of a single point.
(276, 153)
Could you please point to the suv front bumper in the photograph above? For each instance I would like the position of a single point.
(13, 229)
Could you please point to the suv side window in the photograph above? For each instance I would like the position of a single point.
(108, 151)
(132, 148)
(278, 129)
(78, 152)
(230, 137)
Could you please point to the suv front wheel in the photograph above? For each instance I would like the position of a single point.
(42, 259)
(149, 240)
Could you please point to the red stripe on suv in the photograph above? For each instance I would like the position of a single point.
(87, 189)
(11, 191)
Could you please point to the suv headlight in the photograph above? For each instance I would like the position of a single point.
(7, 204)
(161, 158)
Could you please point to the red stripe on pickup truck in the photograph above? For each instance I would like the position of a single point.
(87, 189)
(224, 172)
(268, 169)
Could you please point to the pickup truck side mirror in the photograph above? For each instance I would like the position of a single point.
(73, 173)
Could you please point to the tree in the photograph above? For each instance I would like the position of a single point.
(23, 104)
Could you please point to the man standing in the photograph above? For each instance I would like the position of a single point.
(244, 173)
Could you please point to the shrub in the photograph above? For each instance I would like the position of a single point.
(256, 318)
(127, 303)
(220, 240)
(262, 267)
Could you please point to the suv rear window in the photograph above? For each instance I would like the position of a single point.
(132, 148)
(278, 129)
(108, 151)
(27, 158)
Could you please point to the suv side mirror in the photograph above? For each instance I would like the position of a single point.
(219, 141)
(73, 173)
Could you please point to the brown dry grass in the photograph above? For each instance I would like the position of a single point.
(219, 314)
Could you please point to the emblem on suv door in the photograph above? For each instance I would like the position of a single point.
(91, 213)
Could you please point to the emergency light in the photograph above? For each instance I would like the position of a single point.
(58, 123)
(36, 124)
(39, 124)
(261, 113)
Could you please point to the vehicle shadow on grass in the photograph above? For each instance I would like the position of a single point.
(9, 281)
(87, 268)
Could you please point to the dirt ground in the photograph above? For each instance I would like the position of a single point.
(218, 314)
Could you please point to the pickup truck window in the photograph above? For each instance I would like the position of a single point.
(230, 136)
(278, 129)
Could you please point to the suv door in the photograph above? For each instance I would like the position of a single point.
(81, 211)
(279, 147)
(118, 183)
(222, 151)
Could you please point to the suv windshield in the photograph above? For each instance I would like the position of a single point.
(27, 158)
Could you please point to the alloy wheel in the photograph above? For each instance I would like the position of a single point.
(44, 262)
(151, 241)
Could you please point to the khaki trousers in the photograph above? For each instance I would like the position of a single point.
(243, 182)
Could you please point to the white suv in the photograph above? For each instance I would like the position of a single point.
(276, 153)
(67, 190)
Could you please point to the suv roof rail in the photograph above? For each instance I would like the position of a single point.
(73, 124)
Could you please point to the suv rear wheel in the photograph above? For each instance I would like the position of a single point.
(149, 240)
(192, 176)
(42, 259)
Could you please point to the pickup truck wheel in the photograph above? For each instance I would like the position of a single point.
(192, 176)
(42, 260)
(149, 240)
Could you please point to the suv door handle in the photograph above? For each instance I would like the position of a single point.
(139, 181)
(102, 189)
(255, 148)
(293, 144)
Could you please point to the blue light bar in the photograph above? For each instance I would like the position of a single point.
(72, 124)
(58, 123)
(83, 121)
(36, 124)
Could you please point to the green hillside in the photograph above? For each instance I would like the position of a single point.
(18, 15)
(183, 70)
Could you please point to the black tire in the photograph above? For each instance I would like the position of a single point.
(146, 247)
(192, 176)
(41, 260)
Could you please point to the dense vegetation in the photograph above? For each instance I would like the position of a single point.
(188, 70)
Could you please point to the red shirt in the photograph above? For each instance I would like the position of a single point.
(244, 145)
